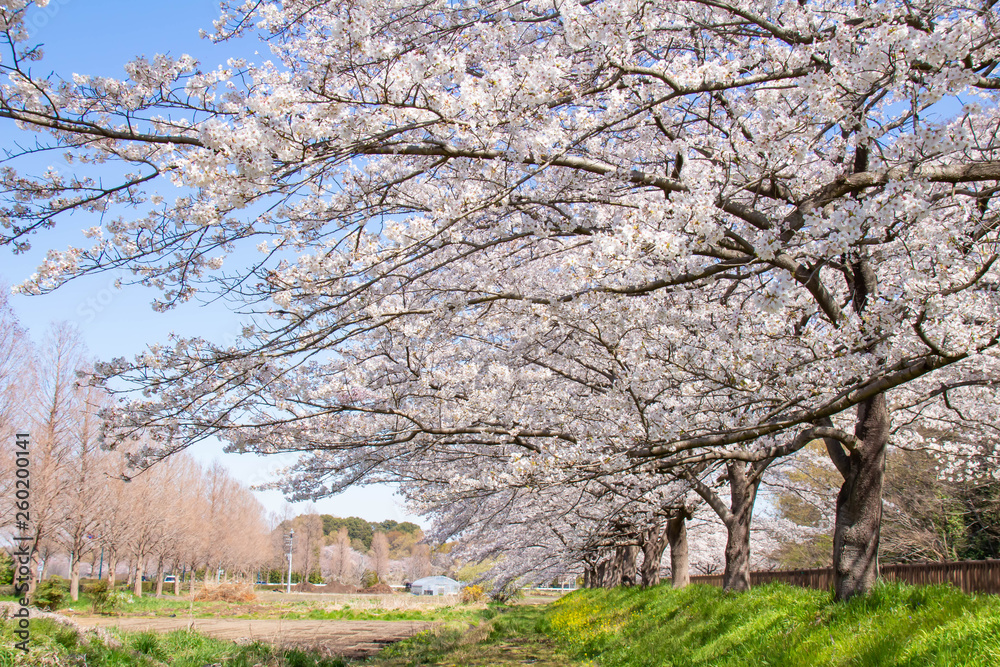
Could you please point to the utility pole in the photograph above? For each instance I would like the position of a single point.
(291, 536)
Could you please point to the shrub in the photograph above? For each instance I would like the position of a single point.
(473, 593)
(505, 593)
(369, 579)
(104, 599)
(50, 593)
(6, 568)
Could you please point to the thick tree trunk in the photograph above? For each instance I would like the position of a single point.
(137, 577)
(177, 582)
(610, 574)
(600, 573)
(743, 494)
(588, 575)
(159, 577)
(34, 565)
(676, 534)
(859, 504)
(74, 579)
(654, 541)
(737, 574)
(630, 556)
(112, 570)
(744, 480)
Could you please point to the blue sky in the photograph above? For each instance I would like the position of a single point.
(96, 37)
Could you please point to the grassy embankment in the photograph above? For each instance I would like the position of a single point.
(773, 625)
(779, 625)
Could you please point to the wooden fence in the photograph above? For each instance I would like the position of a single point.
(971, 576)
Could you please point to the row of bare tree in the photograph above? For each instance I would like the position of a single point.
(84, 503)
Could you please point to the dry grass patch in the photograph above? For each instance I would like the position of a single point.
(363, 602)
(242, 593)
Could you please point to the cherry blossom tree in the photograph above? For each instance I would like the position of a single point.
(530, 521)
(801, 195)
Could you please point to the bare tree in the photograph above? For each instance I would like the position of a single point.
(172, 551)
(307, 545)
(149, 494)
(419, 565)
(116, 524)
(341, 561)
(247, 538)
(379, 555)
(56, 408)
(14, 347)
(188, 540)
(85, 488)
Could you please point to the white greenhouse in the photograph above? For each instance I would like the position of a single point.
(435, 586)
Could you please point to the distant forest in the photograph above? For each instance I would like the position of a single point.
(363, 531)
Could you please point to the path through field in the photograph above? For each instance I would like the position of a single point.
(350, 639)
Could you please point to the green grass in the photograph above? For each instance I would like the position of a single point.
(56, 644)
(139, 605)
(777, 625)
(283, 609)
(774, 625)
(431, 614)
(511, 636)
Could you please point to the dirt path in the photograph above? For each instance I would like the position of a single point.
(350, 639)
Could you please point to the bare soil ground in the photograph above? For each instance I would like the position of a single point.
(360, 600)
(350, 639)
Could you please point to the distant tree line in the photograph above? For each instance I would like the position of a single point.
(327, 548)
(363, 531)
